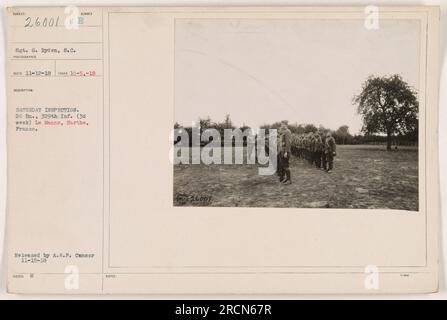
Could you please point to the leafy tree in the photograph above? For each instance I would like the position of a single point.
(244, 127)
(387, 105)
(296, 128)
(228, 124)
(205, 123)
(310, 128)
(275, 125)
(343, 134)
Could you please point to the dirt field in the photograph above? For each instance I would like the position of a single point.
(363, 177)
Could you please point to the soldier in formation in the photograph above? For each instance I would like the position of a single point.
(317, 148)
(284, 151)
(330, 151)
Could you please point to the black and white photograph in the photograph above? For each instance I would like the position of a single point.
(340, 96)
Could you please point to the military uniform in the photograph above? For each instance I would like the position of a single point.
(318, 150)
(294, 144)
(300, 147)
(311, 148)
(279, 167)
(323, 154)
(330, 151)
(284, 150)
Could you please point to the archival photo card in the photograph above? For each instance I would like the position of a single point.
(222, 150)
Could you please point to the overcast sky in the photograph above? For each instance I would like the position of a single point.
(304, 71)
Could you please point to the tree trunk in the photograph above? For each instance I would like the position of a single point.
(388, 141)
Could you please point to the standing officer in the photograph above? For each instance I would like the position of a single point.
(284, 153)
(330, 151)
(279, 164)
(323, 154)
(318, 149)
